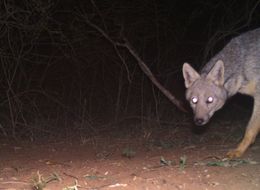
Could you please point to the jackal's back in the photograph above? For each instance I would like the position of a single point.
(241, 56)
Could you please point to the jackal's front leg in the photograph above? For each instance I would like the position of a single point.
(252, 130)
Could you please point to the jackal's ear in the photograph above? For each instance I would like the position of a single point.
(189, 74)
(216, 74)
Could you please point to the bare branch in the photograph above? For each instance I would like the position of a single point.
(150, 75)
(141, 64)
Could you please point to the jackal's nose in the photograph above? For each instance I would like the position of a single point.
(199, 121)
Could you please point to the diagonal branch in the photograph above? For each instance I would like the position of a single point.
(141, 64)
(150, 75)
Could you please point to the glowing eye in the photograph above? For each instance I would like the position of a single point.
(210, 99)
(194, 100)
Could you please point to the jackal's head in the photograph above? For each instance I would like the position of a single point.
(206, 92)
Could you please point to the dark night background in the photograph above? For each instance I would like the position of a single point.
(60, 77)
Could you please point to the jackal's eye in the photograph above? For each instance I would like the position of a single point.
(194, 100)
(210, 100)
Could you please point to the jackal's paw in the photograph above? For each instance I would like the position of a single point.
(234, 154)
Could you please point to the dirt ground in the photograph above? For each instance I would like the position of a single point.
(108, 162)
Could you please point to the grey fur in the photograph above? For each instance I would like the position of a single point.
(235, 69)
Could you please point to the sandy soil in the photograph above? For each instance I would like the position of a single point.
(128, 163)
